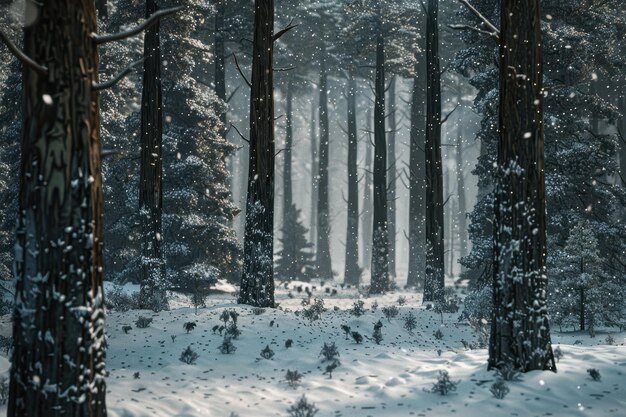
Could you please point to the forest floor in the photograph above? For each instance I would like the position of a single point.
(147, 378)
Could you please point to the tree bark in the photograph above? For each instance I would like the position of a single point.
(351, 273)
(257, 282)
(391, 183)
(622, 124)
(323, 259)
(434, 281)
(367, 219)
(416, 187)
(314, 172)
(153, 287)
(520, 335)
(287, 152)
(58, 330)
(462, 212)
(380, 234)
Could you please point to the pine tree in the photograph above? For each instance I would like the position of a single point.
(295, 261)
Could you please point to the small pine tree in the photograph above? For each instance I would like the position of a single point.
(296, 259)
(378, 334)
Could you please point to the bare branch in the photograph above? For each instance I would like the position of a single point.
(146, 24)
(239, 133)
(482, 18)
(475, 29)
(21, 56)
(241, 72)
(230, 97)
(282, 32)
(110, 83)
(445, 119)
(284, 69)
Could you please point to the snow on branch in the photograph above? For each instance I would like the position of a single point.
(146, 24)
(19, 54)
(493, 30)
(110, 83)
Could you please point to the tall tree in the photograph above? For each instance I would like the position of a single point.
(153, 278)
(366, 218)
(391, 177)
(352, 271)
(434, 280)
(520, 333)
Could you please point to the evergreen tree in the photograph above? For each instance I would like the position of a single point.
(295, 261)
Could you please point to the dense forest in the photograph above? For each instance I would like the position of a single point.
(199, 195)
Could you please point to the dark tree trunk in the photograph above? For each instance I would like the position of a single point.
(323, 260)
(380, 233)
(622, 125)
(582, 298)
(462, 212)
(58, 329)
(101, 7)
(416, 187)
(287, 152)
(434, 280)
(367, 219)
(520, 335)
(391, 184)
(351, 273)
(153, 286)
(314, 172)
(257, 282)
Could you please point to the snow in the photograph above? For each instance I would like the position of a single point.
(389, 379)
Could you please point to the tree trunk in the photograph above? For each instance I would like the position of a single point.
(622, 125)
(351, 273)
(434, 281)
(323, 260)
(391, 183)
(416, 187)
(314, 172)
(58, 329)
(367, 219)
(257, 282)
(462, 212)
(287, 153)
(520, 335)
(380, 234)
(153, 286)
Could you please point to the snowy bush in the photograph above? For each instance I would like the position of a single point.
(302, 408)
(558, 353)
(188, 356)
(499, 389)
(357, 337)
(410, 323)
(225, 317)
(329, 352)
(315, 310)
(267, 352)
(126, 329)
(357, 308)
(377, 336)
(477, 306)
(257, 311)
(189, 326)
(610, 340)
(4, 390)
(6, 343)
(444, 384)
(438, 334)
(143, 322)
(232, 330)
(330, 368)
(118, 300)
(390, 312)
(374, 305)
(401, 300)
(594, 374)
(227, 347)
(293, 378)
(346, 330)
(507, 372)
(288, 343)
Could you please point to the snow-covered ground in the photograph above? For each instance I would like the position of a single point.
(148, 379)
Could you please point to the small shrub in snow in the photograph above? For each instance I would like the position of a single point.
(558, 353)
(315, 310)
(188, 356)
(4, 390)
(438, 334)
(227, 347)
(330, 368)
(444, 384)
(401, 300)
(288, 343)
(329, 352)
(119, 300)
(609, 340)
(378, 334)
(594, 374)
(126, 329)
(233, 316)
(267, 353)
(225, 317)
(173, 337)
(293, 378)
(375, 305)
(499, 389)
(136, 375)
(214, 329)
(257, 311)
(143, 322)
(302, 408)
(189, 326)
(358, 308)
(232, 330)
(346, 330)
(357, 337)
(390, 312)
(410, 323)
(507, 372)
